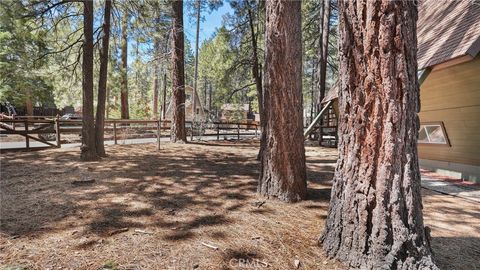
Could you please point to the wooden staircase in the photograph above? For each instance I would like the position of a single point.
(329, 129)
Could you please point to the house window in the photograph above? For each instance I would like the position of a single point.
(432, 133)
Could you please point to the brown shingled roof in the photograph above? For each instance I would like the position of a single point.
(447, 29)
(332, 93)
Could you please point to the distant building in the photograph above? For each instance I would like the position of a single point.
(201, 114)
(235, 112)
(449, 77)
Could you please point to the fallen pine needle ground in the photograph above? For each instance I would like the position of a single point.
(190, 206)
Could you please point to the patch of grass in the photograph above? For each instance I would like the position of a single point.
(110, 265)
(14, 267)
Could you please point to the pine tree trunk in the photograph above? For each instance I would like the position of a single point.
(375, 218)
(312, 91)
(323, 53)
(283, 173)
(258, 79)
(164, 99)
(164, 70)
(102, 82)
(156, 80)
(205, 85)
(88, 151)
(28, 102)
(177, 132)
(319, 54)
(195, 78)
(124, 70)
(107, 107)
(210, 97)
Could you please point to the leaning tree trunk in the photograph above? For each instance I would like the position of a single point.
(102, 82)
(125, 114)
(283, 170)
(88, 151)
(177, 131)
(375, 218)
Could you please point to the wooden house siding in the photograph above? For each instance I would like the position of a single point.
(452, 96)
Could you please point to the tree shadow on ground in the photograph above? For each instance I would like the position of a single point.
(126, 187)
(460, 253)
(186, 192)
(132, 185)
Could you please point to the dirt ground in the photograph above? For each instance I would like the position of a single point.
(149, 209)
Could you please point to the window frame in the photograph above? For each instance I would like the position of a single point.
(444, 131)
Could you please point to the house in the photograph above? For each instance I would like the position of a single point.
(230, 112)
(201, 115)
(449, 75)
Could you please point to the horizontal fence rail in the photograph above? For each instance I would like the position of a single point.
(54, 131)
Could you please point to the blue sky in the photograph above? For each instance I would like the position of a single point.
(208, 26)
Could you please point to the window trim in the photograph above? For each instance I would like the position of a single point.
(442, 126)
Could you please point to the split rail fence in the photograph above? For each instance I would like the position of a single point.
(53, 132)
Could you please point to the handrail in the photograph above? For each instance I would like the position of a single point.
(317, 119)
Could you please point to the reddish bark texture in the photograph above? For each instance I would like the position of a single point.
(283, 170)
(375, 219)
(87, 148)
(177, 132)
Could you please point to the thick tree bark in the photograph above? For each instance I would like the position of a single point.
(102, 82)
(124, 70)
(283, 173)
(156, 79)
(375, 218)
(177, 131)
(88, 151)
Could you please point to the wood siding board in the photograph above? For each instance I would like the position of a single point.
(452, 96)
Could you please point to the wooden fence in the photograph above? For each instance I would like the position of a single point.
(50, 131)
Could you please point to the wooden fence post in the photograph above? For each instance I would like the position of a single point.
(218, 131)
(57, 130)
(27, 140)
(238, 131)
(114, 132)
(256, 130)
